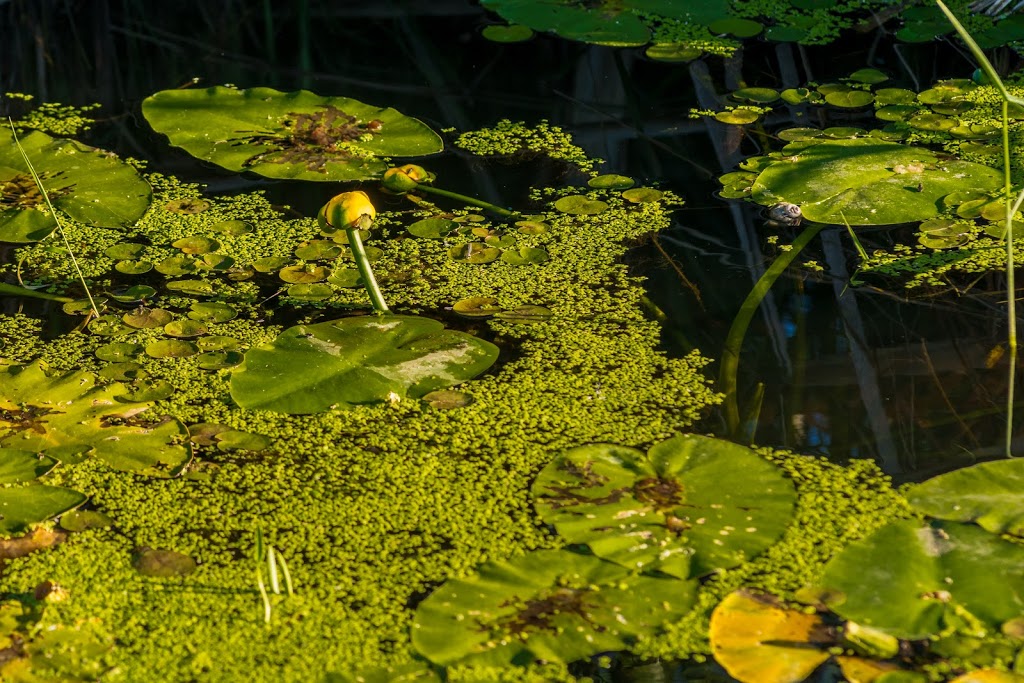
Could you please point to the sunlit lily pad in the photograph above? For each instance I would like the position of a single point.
(865, 181)
(212, 312)
(118, 352)
(477, 307)
(177, 265)
(578, 204)
(738, 116)
(850, 99)
(171, 348)
(755, 95)
(667, 509)
(914, 581)
(88, 184)
(147, 318)
(193, 287)
(196, 244)
(525, 256)
(346, 277)
(316, 291)
(123, 372)
(69, 418)
(83, 520)
(416, 672)
(869, 76)
(133, 267)
(346, 362)
(218, 343)
(641, 195)
(18, 466)
(432, 227)
(990, 494)
(297, 135)
(549, 605)
(235, 440)
(219, 360)
(474, 252)
(269, 264)
(22, 506)
(108, 326)
(148, 390)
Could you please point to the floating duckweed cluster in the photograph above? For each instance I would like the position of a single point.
(54, 118)
(509, 138)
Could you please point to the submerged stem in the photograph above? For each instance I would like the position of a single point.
(363, 263)
(734, 340)
(469, 200)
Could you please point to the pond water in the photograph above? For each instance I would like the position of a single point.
(836, 363)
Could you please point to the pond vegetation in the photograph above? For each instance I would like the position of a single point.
(408, 433)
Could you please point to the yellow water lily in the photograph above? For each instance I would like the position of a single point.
(347, 210)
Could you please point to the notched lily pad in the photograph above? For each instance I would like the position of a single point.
(89, 185)
(118, 352)
(351, 361)
(316, 291)
(317, 250)
(477, 307)
(990, 494)
(667, 509)
(611, 182)
(185, 328)
(171, 348)
(18, 466)
(25, 505)
(296, 135)
(525, 256)
(446, 399)
(219, 360)
(474, 252)
(148, 390)
(196, 244)
(69, 418)
(549, 605)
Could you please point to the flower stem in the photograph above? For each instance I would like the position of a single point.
(469, 200)
(363, 263)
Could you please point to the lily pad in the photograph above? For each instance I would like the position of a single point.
(148, 390)
(642, 195)
(477, 307)
(124, 250)
(316, 291)
(578, 204)
(133, 267)
(83, 520)
(549, 605)
(347, 362)
(513, 33)
(163, 563)
(990, 494)
(446, 399)
(193, 287)
(118, 352)
(196, 244)
(269, 264)
(171, 348)
(212, 312)
(219, 360)
(69, 418)
(850, 99)
(297, 135)
(474, 252)
(667, 509)
(915, 581)
(432, 228)
(738, 117)
(865, 181)
(233, 228)
(88, 184)
(23, 506)
(525, 314)
(235, 440)
(610, 181)
(525, 256)
(18, 466)
(673, 52)
(147, 318)
(605, 24)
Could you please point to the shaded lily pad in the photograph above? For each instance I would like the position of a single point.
(163, 563)
(185, 328)
(123, 372)
(269, 264)
(219, 360)
(196, 244)
(605, 24)
(316, 291)
(944, 233)
(735, 26)
(23, 506)
(118, 352)
(18, 466)
(83, 520)
(525, 314)
(474, 252)
(233, 228)
(133, 267)
(235, 440)
(850, 99)
(755, 95)
(287, 135)
(171, 348)
(194, 287)
(346, 277)
(549, 605)
(212, 312)
(578, 204)
(915, 581)
(124, 250)
(432, 227)
(869, 76)
(346, 362)
(990, 494)
(667, 509)
(69, 418)
(513, 33)
(477, 307)
(147, 318)
(88, 184)
(446, 399)
(610, 181)
(315, 250)
(177, 265)
(525, 256)
(108, 326)
(866, 181)
(532, 227)
(673, 52)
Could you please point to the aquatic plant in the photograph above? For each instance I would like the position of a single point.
(287, 135)
(24, 502)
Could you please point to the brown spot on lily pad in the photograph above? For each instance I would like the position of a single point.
(187, 205)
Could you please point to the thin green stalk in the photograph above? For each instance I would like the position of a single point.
(275, 585)
(469, 200)
(53, 212)
(734, 340)
(1011, 285)
(287, 575)
(363, 263)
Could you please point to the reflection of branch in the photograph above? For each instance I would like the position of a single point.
(945, 397)
(679, 271)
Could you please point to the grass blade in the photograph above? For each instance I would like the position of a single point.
(272, 570)
(287, 576)
(979, 56)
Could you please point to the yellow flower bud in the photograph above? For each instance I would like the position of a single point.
(347, 210)
(404, 178)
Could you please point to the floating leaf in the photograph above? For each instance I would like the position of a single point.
(605, 25)
(346, 362)
(525, 256)
(532, 227)
(310, 292)
(23, 506)
(944, 233)
(756, 639)
(887, 96)
(741, 28)
(148, 390)
(673, 52)
(83, 520)
(269, 264)
(641, 195)
(513, 33)
(235, 440)
(738, 116)
(474, 252)
(171, 348)
(163, 563)
(865, 181)
(869, 76)
(108, 326)
(850, 99)
(185, 328)
(549, 605)
(88, 184)
(477, 307)
(611, 182)
(212, 312)
(667, 509)
(578, 204)
(446, 399)
(432, 228)
(196, 244)
(189, 206)
(914, 581)
(177, 265)
(19, 467)
(69, 418)
(118, 352)
(123, 372)
(218, 343)
(525, 314)
(124, 250)
(287, 135)
(194, 287)
(233, 228)
(755, 95)
(147, 318)
(346, 277)
(133, 267)
(219, 360)
(990, 494)
(317, 250)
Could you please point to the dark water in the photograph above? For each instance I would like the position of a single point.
(851, 372)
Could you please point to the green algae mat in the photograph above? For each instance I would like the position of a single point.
(236, 469)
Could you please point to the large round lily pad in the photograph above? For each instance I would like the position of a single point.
(87, 184)
(550, 605)
(915, 581)
(22, 506)
(866, 181)
(69, 418)
(287, 135)
(667, 509)
(346, 362)
(990, 494)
